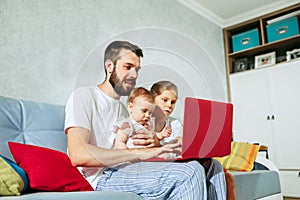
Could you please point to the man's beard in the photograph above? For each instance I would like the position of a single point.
(117, 84)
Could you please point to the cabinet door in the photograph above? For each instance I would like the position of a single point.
(285, 83)
(250, 98)
(290, 183)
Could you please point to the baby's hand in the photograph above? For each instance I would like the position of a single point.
(166, 132)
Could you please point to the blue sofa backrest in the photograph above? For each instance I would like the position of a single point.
(30, 122)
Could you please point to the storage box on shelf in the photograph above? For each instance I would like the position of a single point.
(283, 29)
(245, 40)
(288, 40)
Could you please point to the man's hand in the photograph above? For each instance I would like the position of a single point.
(147, 153)
(145, 138)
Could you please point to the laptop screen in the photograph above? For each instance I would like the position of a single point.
(207, 128)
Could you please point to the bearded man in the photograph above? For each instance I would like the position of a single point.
(90, 114)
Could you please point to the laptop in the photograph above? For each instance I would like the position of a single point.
(207, 130)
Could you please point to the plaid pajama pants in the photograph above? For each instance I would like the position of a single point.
(166, 180)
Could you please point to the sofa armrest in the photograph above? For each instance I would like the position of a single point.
(267, 163)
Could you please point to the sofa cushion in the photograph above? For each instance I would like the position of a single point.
(13, 179)
(241, 158)
(47, 169)
(256, 184)
(31, 123)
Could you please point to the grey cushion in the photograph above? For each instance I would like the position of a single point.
(256, 184)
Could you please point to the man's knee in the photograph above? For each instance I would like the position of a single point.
(191, 176)
(193, 170)
(197, 167)
(188, 170)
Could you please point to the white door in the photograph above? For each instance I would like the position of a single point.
(290, 183)
(250, 98)
(285, 87)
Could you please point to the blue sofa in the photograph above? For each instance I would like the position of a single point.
(42, 124)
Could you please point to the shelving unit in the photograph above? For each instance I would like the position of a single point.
(280, 47)
(266, 101)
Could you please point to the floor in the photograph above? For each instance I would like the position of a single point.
(289, 198)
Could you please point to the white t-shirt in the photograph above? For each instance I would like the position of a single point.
(90, 108)
(133, 126)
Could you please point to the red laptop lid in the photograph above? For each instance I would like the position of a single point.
(207, 128)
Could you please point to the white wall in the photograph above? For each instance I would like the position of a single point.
(49, 47)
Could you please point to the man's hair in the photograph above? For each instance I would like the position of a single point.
(140, 92)
(159, 87)
(112, 51)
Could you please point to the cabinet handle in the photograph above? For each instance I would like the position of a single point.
(272, 117)
(268, 117)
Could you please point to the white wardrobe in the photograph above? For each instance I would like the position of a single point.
(267, 111)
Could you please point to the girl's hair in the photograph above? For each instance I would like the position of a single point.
(140, 91)
(159, 87)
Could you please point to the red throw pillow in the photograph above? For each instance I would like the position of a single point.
(47, 169)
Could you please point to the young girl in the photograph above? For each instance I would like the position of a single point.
(165, 96)
(140, 106)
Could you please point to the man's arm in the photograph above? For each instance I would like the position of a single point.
(84, 154)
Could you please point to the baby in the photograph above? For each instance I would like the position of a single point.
(140, 107)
